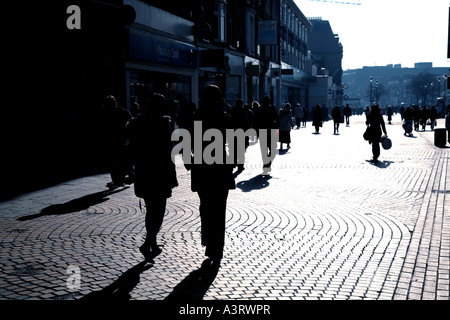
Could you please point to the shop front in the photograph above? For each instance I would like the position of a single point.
(294, 87)
(224, 69)
(162, 65)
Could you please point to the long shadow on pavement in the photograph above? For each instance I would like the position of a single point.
(75, 205)
(121, 288)
(194, 286)
(380, 164)
(255, 183)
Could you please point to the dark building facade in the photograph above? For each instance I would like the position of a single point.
(327, 52)
(60, 64)
(198, 43)
(77, 52)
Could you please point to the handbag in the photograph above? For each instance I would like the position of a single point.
(367, 133)
(386, 143)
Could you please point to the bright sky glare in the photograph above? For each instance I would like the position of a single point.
(381, 32)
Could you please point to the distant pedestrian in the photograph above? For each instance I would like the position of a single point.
(155, 173)
(367, 111)
(286, 124)
(254, 108)
(376, 122)
(239, 120)
(249, 113)
(298, 114)
(336, 115)
(417, 117)
(402, 111)
(317, 118)
(266, 118)
(433, 114)
(408, 121)
(212, 182)
(116, 141)
(347, 114)
(305, 116)
(447, 123)
(424, 117)
(389, 114)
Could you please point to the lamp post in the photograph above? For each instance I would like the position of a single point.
(439, 87)
(371, 80)
(376, 91)
(445, 87)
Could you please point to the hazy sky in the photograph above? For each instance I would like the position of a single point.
(381, 32)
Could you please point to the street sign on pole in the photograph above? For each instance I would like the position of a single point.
(267, 32)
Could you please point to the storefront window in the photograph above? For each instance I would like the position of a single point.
(144, 83)
(233, 89)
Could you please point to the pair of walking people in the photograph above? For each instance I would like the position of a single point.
(155, 173)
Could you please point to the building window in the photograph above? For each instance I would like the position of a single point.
(251, 27)
(221, 21)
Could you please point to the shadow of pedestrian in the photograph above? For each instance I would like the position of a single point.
(75, 205)
(194, 286)
(121, 288)
(380, 164)
(256, 183)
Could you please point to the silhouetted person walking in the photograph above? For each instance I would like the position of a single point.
(408, 121)
(298, 114)
(116, 141)
(447, 123)
(286, 124)
(266, 118)
(155, 173)
(347, 114)
(305, 116)
(367, 111)
(433, 116)
(389, 113)
(376, 122)
(416, 116)
(317, 118)
(336, 115)
(424, 116)
(239, 120)
(213, 181)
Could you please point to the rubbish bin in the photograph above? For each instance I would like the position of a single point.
(440, 136)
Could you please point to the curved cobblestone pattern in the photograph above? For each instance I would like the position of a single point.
(327, 225)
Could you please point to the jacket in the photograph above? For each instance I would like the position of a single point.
(151, 146)
(205, 176)
(286, 122)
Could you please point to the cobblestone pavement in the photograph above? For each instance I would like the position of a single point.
(326, 224)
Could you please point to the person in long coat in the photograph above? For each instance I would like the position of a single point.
(317, 118)
(155, 173)
(298, 114)
(212, 182)
(286, 124)
(377, 126)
